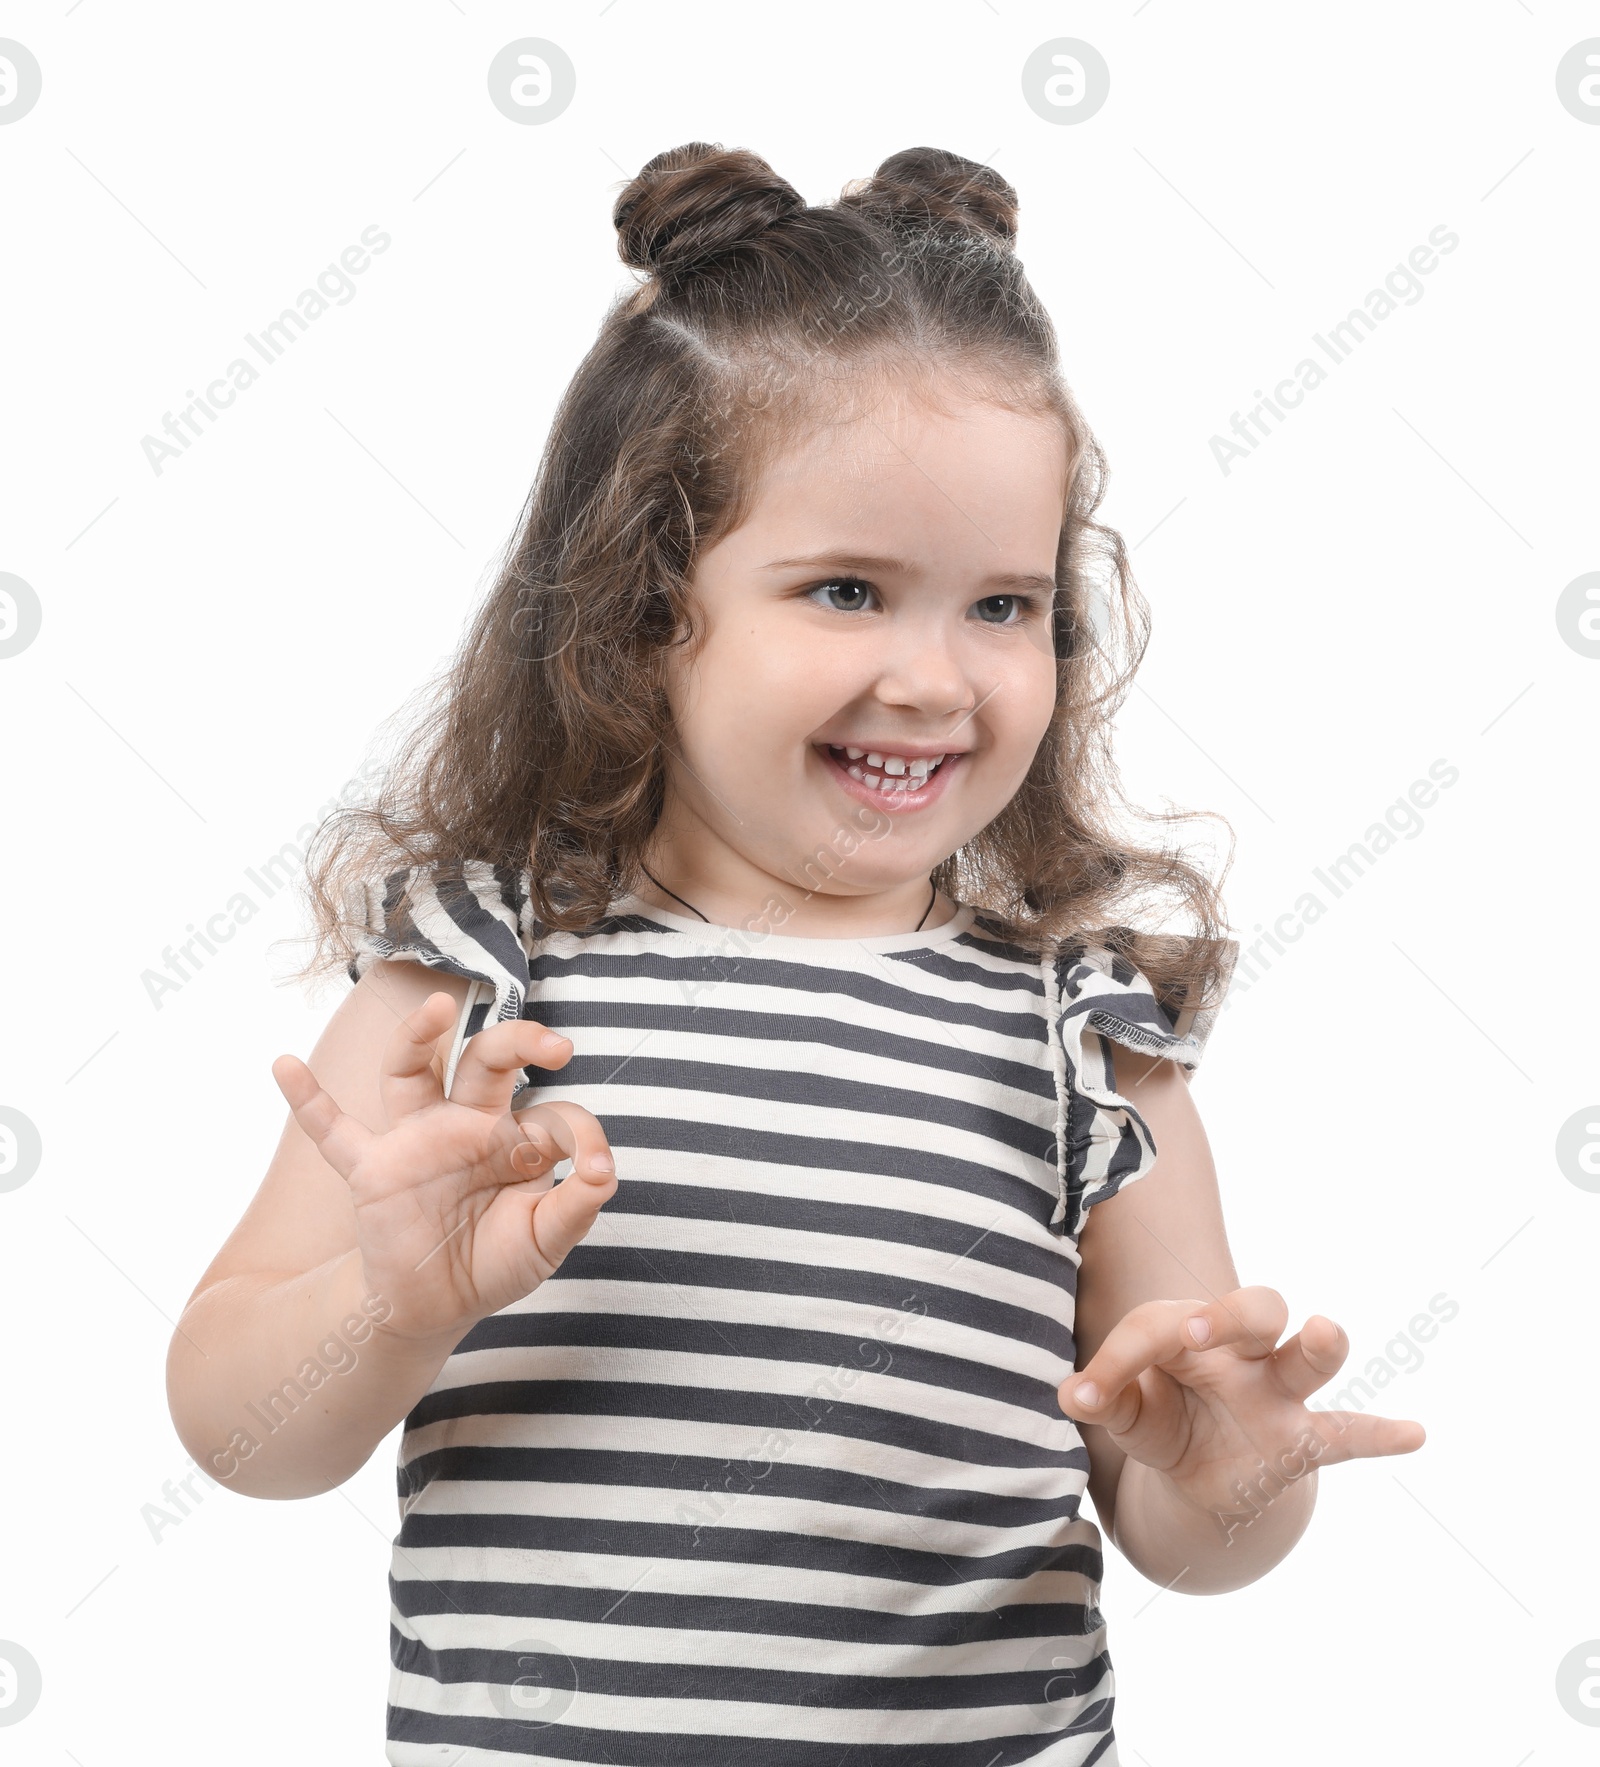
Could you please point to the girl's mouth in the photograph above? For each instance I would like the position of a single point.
(889, 782)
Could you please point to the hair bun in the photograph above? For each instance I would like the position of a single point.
(925, 186)
(691, 204)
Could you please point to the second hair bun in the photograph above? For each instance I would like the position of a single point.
(930, 186)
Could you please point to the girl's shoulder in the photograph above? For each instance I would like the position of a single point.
(1100, 999)
(1098, 989)
(466, 917)
(1089, 985)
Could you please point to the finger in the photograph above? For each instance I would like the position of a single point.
(410, 1076)
(577, 1134)
(1250, 1319)
(564, 1215)
(536, 1152)
(1148, 1413)
(1312, 1357)
(1145, 1336)
(486, 1076)
(1353, 1435)
(340, 1139)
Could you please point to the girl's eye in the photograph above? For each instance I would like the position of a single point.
(852, 588)
(1007, 606)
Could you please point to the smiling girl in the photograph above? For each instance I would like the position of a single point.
(761, 862)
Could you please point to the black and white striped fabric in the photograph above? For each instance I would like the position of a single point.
(772, 1472)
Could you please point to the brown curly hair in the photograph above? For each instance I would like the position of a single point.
(546, 748)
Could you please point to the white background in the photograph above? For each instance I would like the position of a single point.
(1372, 590)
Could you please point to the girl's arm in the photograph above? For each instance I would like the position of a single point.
(393, 1218)
(1163, 1239)
(281, 1377)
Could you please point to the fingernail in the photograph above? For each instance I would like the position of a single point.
(1200, 1329)
(1087, 1394)
(602, 1162)
(553, 1039)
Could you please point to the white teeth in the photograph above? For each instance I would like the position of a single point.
(904, 773)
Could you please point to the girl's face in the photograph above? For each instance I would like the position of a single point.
(887, 602)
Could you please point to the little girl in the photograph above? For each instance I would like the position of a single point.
(761, 864)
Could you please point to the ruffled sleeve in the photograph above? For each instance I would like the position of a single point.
(1102, 1142)
(468, 918)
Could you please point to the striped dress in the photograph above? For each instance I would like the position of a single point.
(772, 1471)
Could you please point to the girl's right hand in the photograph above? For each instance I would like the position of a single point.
(456, 1213)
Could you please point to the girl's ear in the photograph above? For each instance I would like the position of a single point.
(689, 626)
(670, 662)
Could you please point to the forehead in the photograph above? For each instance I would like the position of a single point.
(904, 473)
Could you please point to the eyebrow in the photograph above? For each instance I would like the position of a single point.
(898, 567)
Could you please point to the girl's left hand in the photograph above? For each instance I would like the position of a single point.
(1211, 1414)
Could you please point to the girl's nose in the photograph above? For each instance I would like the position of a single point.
(922, 670)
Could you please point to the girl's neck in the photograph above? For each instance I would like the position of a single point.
(804, 912)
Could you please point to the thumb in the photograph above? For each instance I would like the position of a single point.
(562, 1216)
